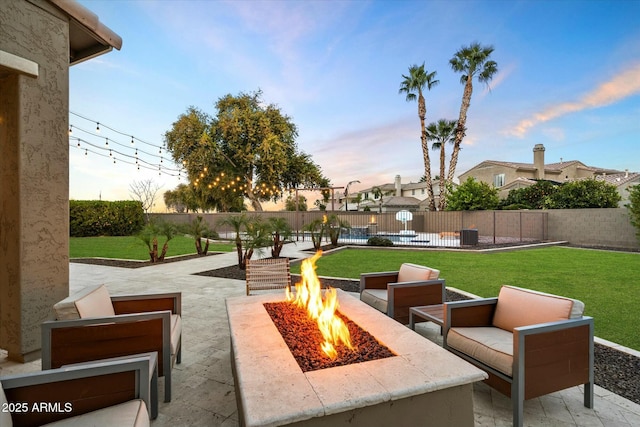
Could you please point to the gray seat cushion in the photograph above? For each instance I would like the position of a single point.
(376, 298)
(489, 345)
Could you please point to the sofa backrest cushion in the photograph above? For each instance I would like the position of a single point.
(93, 301)
(414, 273)
(522, 307)
(5, 416)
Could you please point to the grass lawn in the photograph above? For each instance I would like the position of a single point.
(607, 282)
(131, 247)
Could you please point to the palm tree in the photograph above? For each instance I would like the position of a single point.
(440, 133)
(472, 61)
(417, 80)
(237, 222)
(379, 193)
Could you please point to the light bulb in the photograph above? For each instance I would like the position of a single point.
(98, 127)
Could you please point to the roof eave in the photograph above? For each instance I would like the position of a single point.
(88, 37)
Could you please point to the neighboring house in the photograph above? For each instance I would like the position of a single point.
(395, 197)
(622, 181)
(506, 176)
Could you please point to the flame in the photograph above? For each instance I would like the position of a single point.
(308, 295)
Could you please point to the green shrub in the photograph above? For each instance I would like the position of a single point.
(538, 196)
(89, 218)
(473, 195)
(379, 241)
(634, 207)
(587, 193)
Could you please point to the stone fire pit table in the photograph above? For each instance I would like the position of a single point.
(423, 385)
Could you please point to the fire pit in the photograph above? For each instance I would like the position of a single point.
(305, 340)
(422, 385)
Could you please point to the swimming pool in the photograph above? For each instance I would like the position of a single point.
(405, 239)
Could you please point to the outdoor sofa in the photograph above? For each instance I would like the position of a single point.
(530, 343)
(92, 325)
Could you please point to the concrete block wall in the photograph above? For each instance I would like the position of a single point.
(597, 227)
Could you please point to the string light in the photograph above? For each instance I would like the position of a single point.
(140, 158)
(156, 162)
(113, 130)
(96, 152)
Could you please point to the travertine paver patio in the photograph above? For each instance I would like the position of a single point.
(203, 392)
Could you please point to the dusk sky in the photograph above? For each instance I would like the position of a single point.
(569, 78)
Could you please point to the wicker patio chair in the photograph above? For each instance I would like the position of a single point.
(267, 274)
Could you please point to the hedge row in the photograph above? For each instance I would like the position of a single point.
(101, 218)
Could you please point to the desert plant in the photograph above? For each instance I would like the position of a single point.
(199, 229)
(237, 222)
(317, 229)
(334, 225)
(149, 235)
(251, 234)
(257, 237)
(281, 233)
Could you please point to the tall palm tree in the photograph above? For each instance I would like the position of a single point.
(413, 85)
(472, 61)
(440, 133)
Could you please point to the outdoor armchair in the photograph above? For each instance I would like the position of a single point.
(92, 325)
(268, 274)
(530, 343)
(394, 292)
(93, 394)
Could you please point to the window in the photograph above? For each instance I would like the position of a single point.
(413, 192)
(422, 191)
(498, 180)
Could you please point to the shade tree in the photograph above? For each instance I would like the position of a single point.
(246, 150)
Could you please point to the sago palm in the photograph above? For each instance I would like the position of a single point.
(472, 61)
(413, 85)
(441, 133)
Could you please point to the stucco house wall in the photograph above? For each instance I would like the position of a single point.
(34, 176)
(39, 39)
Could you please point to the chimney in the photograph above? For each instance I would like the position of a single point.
(626, 173)
(398, 186)
(538, 160)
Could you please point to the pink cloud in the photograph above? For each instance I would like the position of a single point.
(621, 86)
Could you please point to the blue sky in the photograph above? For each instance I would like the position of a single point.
(569, 78)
